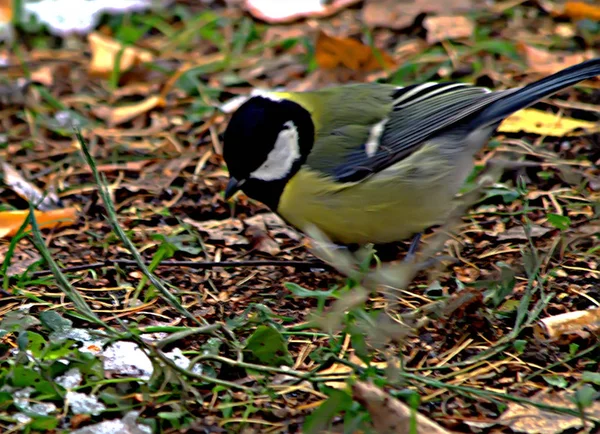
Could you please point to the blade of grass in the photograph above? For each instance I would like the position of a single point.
(112, 218)
(64, 285)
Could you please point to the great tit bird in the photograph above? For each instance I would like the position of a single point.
(370, 163)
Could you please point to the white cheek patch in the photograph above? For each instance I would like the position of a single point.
(282, 157)
(374, 138)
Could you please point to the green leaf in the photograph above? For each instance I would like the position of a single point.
(268, 346)
(519, 345)
(16, 321)
(556, 380)
(172, 415)
(591, 377)
(36, 343)
(43, 423)
(585, 396)
(299, 291)
(561, 222)
(321, 418)
(573, 348)
(26, 377)
(52, 320)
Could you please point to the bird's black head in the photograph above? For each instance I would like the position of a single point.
(265, 143)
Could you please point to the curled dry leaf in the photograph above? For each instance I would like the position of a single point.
(105, 52)
(261, 241)
(11, 221)
(529, 419)
(448, 27)
(390, 415)
(331, 52)
(545, 124)
(25, 189)
(519, 233)
(398, 14)
(118, 115)
(278, 11)
(228, 230)
(567, 323)
(546, 62)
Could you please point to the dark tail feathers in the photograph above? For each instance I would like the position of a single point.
(530, 94)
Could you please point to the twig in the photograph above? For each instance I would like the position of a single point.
(199, 265)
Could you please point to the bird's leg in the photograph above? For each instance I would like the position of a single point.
(414, 246)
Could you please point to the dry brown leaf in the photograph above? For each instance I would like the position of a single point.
(448, 27)
(11, 221)
(571, 322)
(261, 241)
(529, 419)
(25, 189)
(398, 14)
(546, 62)
(118, 115)
(545, 124)
(519, 233)
(228, 230)
(331, 52)
(581, 10)
(390, 415)
(43, 75)
(278, 11)
(105, 52)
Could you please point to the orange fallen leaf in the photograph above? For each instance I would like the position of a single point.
(118, 115)
(11, 221)
(331, 52)
(448, 27)
(580, 10)
(6, 11)
(105, 52)
(546, 62)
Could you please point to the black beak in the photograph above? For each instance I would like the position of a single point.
(233, 186)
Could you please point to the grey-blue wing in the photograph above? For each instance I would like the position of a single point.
(419, 112)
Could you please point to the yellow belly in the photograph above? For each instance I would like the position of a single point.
(389, 206)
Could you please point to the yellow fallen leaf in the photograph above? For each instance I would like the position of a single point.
(553, 327)
(340, 370)
(118, 115)
(331, 52)
(105, 52)
(544, 124)
(11, 221)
